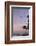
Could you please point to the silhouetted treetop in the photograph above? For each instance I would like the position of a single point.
(24, 27)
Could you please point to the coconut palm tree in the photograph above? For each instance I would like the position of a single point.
(28, 22)
(24, 27)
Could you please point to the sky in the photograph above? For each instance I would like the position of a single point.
(20, 18)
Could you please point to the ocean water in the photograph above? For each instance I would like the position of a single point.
(25, 32)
